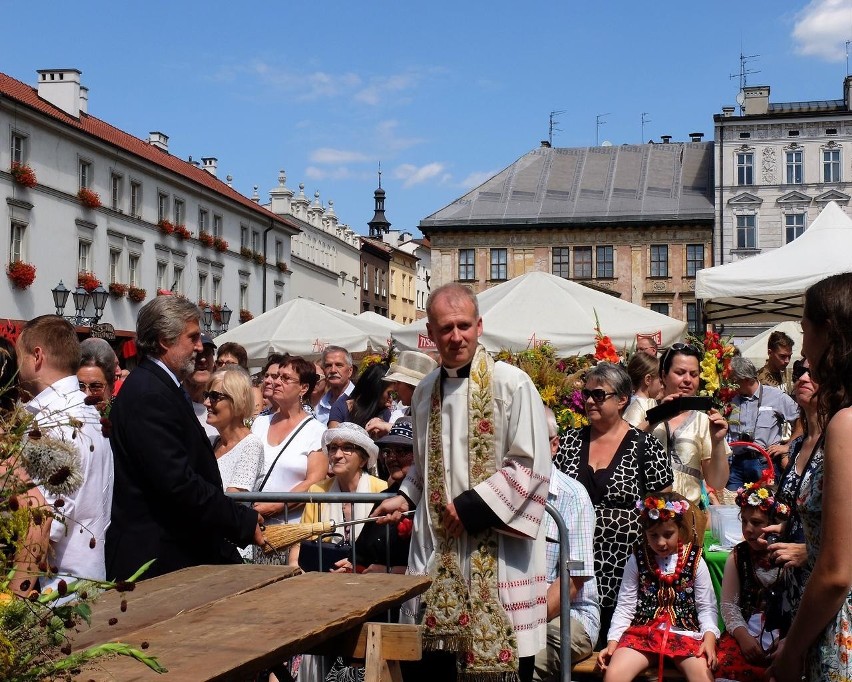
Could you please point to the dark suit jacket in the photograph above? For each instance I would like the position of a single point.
(168, 501)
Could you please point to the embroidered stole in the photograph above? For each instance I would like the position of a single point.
(469, 620)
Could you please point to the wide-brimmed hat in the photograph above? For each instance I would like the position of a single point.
(352, 433)
(401, 433)
(410, 367)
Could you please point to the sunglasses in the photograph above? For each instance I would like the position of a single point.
(597, 394)
(799, 372)
(683, 349)
(215, 396)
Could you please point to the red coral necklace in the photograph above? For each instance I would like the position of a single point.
(669, 578)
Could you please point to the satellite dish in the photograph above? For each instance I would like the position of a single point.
(606, 143)
(740, 98)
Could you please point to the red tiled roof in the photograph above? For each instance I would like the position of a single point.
(28, 96)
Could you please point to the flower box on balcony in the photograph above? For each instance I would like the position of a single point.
(206, 238)
(259, 258)
(21, 274)
(117, 289)
(246, 252)
(23, 175)
(89, 198)
(136, 294)
(166, 226)
(282, 266)
(245, 315)
(182, 232)
(220, 244)
(88, 281)
(217, 312)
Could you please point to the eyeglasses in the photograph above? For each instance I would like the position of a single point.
(597, 394)
(94, 387)
(799, 372)
(347, 449)
(215, 396)
(288, 380)
(320, 378)
(222, 363)
(396, 453)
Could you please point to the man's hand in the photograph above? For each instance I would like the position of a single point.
(377, 428)
(390, 510)
(258, 538)
(451, 522)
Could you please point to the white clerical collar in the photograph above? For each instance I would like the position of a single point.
(462, 372)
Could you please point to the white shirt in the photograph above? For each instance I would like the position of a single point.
(323, 408)
(89, 507)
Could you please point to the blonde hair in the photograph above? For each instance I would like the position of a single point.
(236, 383)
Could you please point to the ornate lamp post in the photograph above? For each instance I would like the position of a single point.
(81, 298)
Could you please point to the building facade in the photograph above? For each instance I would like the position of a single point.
(421, 249)
(86, 201)
(325, 255)
(634, 220)
(776, 166)
(375, 269)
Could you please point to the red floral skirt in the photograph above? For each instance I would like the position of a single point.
(732, 663)
(649, 640)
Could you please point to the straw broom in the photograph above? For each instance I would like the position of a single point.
(284, 535)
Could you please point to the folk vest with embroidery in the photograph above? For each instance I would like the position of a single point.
(750, 587)
(675, 602)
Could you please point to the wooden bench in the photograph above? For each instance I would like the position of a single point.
(588, 670)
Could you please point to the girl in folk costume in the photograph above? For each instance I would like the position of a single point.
(666, 605)
(749, 574)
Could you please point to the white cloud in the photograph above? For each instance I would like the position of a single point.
(381, 86)
(476, 178)
(413, 175)
(822, 29)
(386, 135)
(339, 173)
(329, 155)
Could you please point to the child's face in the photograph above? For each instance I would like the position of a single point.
(754, 521)
(663, 537)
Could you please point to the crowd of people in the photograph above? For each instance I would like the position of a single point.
(472, 455)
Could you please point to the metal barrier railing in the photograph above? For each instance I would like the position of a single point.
(565, 565)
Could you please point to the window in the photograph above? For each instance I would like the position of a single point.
(582, 262)
(114, 265)
(18, 148)
(467, 265)
(659, 260)
(794, 226)
(498, 264)
(279, 298)
(560, 260)
(177, 279)
(16, 244)
(180, 212)
(161, 276)
(279, 251)
(162, 206)
(745, 168)
(217, 225)
(662, 308)
(133, 270)
(793, 162)
(135, 198)
(692, 321)
(694, 259)
(376, 283)
(84, 256)
(384, 285)
(85, 174)
(255, 241)
(115, 191)
(364, 280)
(202, 286)
(244, 296)
(831, 165)
(216, 293)
(203, 220)
(604, 267)
(746, 232)
(244, 237)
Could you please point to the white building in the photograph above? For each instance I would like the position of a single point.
(143, 192)
(325, 258)
(777, 165)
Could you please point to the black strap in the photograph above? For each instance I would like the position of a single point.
(281, 451)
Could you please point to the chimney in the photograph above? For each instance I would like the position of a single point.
(84, 99)
(545, 144)
(666, 138)
(61, 87)
(159, 140)
(727, 112)
(756, 100)
(696, 137)
(208, 163)
(193, 161)
(847, 92)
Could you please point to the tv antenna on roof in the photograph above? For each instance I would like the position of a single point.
(644, 121)
(552, 125)
(743, 75)
(598, 123)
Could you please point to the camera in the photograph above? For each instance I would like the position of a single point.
(772, 538)
(746, 437)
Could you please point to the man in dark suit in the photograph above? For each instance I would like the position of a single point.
(168, 503)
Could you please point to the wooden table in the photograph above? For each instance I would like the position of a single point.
(231, 622)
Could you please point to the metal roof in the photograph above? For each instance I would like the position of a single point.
(805, 107)
(644, 182)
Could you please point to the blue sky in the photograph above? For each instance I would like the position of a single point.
(443, 94)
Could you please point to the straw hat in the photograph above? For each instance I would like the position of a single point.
(410, 367)
(348, 432)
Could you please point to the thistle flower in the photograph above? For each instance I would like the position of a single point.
(53, 463)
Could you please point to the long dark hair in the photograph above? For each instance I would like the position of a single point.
(828, 307)
(367, 395)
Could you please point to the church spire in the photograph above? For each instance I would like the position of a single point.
(379, 225)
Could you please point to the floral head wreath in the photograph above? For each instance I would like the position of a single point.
(657, 508)
(756, 495)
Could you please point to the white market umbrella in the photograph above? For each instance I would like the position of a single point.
(755, 348)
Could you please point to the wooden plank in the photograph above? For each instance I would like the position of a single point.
(240, 635)
(163, 597)
(401, 642)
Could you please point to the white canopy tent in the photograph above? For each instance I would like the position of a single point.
(303, 327)
(380, 320)
(769, 287)
(539, 307)
(755, 348)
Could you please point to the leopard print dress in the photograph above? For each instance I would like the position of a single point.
(617, 523)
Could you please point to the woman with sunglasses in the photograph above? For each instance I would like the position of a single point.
(239, 453)
(97, 369)
(695, 441)
(617, 464)
(796, 481)
(818, 645)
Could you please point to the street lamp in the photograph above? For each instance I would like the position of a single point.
(226, 317)
(60, 297)
(207, 318)
(81, 301)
